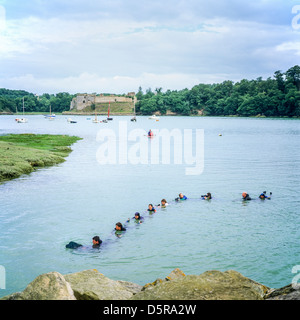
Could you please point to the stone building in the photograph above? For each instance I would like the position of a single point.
(81, 101)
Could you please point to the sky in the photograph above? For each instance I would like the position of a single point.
(117, 46)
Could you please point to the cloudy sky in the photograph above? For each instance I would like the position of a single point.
(115, 46)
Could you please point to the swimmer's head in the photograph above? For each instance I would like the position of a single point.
(137, 215)
(96, 240)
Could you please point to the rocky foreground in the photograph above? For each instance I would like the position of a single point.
(211, 285)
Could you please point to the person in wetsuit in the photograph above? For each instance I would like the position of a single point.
(96, 242)
(163, 203)
(150, 133)
(74, 245)
(246, 196)
(119, 229)
(181, 196)
(138, 218)
(151, 208)
(206, 196)
(263, 196)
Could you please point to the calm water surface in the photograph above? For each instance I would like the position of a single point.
(41, 212)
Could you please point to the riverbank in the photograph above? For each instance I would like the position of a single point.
(210, 285)
(24, 153)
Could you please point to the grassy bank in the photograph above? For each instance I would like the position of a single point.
(24, 153)
(116, 108)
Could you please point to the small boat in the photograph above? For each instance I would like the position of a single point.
(96, 119)
(22, 120)
(71, 121)
(154, 117)
(50, 116)
(108, 118)
(133, 119)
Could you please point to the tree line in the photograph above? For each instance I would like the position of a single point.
(12, 101)
(274, 97)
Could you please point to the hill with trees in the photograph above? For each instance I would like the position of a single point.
(11, 101)
(274, 97)
(278, 96)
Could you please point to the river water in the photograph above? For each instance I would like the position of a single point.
(80, 198)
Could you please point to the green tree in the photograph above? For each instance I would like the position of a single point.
(279, 77)
(293, 76)
(140, 94)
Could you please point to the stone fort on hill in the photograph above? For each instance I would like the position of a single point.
(81, 101)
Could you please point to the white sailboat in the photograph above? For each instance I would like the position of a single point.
(70, 120)
(51, 116)
(22, 120)
(96, 119)
(154, 117)
(134, 117)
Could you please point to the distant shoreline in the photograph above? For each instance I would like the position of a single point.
(70, 113)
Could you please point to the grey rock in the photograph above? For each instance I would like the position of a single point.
(290, 292)
(92, 285)
(211, 285)
(49, 286)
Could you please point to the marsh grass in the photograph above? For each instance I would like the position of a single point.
(24, 153)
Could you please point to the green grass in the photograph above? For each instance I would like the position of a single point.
(102, 108)
(23, 153)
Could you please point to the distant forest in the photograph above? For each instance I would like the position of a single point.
(12, 101)
(274, 97)
(278, 96)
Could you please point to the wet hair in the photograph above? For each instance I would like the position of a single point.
(97, 238)
(137, 214)
(119, 224)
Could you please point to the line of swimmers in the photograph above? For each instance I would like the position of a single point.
(120, 229)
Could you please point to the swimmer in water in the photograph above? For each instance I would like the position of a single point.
(119, 229)
(246, 196)
(150, 133)
(163, 203)
(138, 218)
(263, 196)
(181, 197)
(151, 208)
(207, 196)
(96, 242)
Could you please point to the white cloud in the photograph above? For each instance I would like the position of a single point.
(116, 50)
(89, 83)
(2, 18)
(289, 47)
